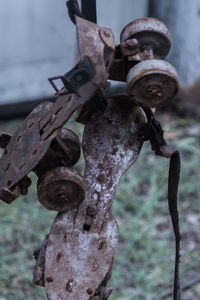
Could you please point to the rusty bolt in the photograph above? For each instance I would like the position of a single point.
(106, 33)
(69, 285)
(89, 291)
(101, 178)
(91, 211)
(154, 91)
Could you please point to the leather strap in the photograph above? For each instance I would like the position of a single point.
(73, 9)
(173, 182)
(88, 8)
(154, 133)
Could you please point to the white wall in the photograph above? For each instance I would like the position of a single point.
(35, 44)
(38, 41)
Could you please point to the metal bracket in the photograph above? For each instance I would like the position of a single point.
(82, 73)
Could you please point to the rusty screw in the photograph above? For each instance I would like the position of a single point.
(91, 211)
(154, 91)
(89, 291)
(69, 285)
(106, 33)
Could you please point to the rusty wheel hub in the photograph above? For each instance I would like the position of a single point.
(153, 82)
(61, 189)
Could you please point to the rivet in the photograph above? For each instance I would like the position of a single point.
(91, 210)
(89, 291)
(58, 257)
(69, 285)
(106, 33)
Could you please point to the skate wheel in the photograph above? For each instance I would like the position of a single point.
(152, 82)
(150, 33)
(61, 189)
(67, 143)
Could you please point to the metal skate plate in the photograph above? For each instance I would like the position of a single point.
(25, 149)
(77, 261)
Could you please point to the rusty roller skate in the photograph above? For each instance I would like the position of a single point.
(112, 139)
(76, 257)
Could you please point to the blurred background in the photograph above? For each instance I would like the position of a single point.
(38, 41)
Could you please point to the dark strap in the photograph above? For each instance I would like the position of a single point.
(89, 10)
(73, 9)
(154, 133)
(173, 182)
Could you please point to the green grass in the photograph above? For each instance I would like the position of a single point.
(144, 260)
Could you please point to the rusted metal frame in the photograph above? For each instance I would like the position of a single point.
(92, 229)
(100, 192)
(112, 140)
